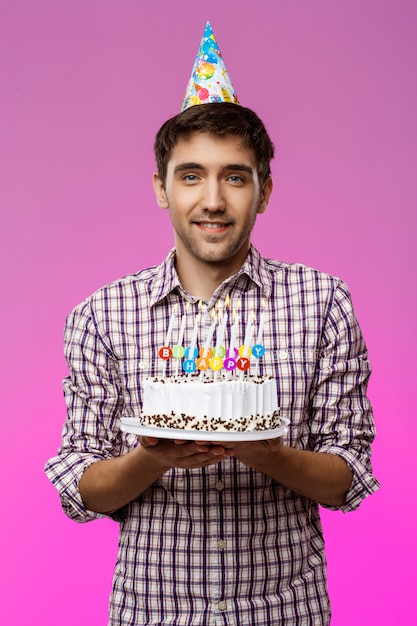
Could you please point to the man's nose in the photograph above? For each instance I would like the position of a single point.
(213, 197)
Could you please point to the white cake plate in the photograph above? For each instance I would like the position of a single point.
(132, 426)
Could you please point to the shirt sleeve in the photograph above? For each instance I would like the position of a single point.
(341, 418)
(93, 399)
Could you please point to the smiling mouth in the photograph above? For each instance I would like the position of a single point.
(212, 225)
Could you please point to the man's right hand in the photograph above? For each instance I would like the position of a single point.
(184, 454)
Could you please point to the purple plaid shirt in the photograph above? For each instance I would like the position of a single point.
(222, 545)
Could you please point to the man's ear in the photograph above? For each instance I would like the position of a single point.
(265, 195)
(159, 190)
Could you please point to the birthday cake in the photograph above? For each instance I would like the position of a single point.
(211, 389)
(237, 405)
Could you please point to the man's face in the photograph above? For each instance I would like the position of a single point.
(213, 194)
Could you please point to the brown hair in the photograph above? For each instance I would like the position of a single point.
(221, 119)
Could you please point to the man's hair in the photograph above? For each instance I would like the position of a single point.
(220, 119)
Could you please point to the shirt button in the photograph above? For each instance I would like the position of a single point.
(221, 544)
(283, 355)
(220, 486)
(222, 605)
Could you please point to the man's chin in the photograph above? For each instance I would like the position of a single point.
(219, 255)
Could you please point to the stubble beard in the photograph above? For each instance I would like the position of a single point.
(214, 250)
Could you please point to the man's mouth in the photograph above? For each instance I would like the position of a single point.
(213, 225)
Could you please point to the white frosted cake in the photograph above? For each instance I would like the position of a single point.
(211, 405)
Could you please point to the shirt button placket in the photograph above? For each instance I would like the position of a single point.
(221, 544)
(214, 569)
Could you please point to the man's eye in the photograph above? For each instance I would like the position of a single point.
(236, 179)
(190, 178)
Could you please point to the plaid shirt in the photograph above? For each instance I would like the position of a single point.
(225, 544)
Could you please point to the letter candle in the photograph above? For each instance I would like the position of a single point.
(221, 328)
(194, 336)
(248, 339)
(181, 337)
(230, 362)
(168, 337)
(220, 333)
(191, 356)
(209, 338)
(260, 348)
(248, 335)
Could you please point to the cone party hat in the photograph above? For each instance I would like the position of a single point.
(209, 81)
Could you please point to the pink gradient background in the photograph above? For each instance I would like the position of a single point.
(84, 86)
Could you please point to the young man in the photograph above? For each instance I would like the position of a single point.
(217, 533)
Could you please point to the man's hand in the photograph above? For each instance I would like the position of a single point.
(325, 478)
(185, 454)
(110, 484)
(251, 453)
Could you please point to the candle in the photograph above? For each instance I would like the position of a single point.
(259, 345)
(191, 350)
(246, 351)
(194, 337)
(233, 337)
(209, 338)
(168, 335)
(248, 335)
(219, 351)
(181, 336)
(221, 330)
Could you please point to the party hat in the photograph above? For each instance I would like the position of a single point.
(209, 81)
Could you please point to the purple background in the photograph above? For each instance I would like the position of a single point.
(84, 87)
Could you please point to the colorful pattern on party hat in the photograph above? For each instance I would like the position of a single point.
(209, 81)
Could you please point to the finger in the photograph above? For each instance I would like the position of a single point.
(198, 455)
(224, 447)
(213, 445)
(148, 441)
(194, 449)
(200, 460)
(203, 447)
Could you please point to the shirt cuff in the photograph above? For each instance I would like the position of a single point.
(363, 482)
(65, 471)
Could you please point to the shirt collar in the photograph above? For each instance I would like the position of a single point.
(255, 267)
(167, 280)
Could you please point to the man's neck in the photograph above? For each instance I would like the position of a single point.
(201, 279)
